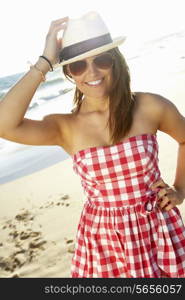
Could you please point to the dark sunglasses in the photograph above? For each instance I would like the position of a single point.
(103, 61)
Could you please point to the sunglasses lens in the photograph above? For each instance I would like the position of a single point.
(77, 67)
(104, 61)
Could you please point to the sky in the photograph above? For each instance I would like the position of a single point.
(24, 24)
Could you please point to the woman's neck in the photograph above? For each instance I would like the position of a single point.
(95, 105)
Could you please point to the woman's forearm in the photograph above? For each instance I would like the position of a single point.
(15, 103)
(179, 182)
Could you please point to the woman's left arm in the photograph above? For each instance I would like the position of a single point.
(172, 123)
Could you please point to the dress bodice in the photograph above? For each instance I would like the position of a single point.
(120, 173)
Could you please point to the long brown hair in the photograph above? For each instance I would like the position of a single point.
(121, 99)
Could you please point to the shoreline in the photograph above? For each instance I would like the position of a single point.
(28, 161)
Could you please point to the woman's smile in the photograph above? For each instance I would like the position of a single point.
(95, 83)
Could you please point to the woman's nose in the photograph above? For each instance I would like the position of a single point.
(91, 68)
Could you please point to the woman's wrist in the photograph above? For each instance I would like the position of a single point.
(181, 192)
(42, 65)
(40, 68)
(48, 61)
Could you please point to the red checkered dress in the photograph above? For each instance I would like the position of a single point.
(122, 232)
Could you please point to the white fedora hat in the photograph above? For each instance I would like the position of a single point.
(85, 37)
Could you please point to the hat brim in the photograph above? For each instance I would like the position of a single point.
(116, 42)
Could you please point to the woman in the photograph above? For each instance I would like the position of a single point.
(130, 225)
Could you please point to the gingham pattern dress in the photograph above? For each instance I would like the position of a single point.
(122, 232)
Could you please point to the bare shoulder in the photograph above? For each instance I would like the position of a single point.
(56, 117)
(65, 123)
(150, 106)
(151, 101)
(164, 112)
(59, 119)
(62, 121)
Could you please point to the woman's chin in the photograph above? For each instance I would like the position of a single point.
(96, 94)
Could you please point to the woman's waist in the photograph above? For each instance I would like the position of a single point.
(143, 205)
(121, 200)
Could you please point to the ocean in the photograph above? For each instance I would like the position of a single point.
(56, 95)
(53, 96)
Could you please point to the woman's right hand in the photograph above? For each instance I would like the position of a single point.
(53, 44)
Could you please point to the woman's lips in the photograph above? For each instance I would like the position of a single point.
(94, 83)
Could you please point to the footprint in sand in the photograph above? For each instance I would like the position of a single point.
(15, 276)
(12, 262)
(71, 248)
(25, 244)
(24, 216)
(60, 202)
(37, 244)
(64, 198)
(70, 245)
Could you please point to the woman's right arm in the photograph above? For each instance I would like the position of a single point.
(13, 125)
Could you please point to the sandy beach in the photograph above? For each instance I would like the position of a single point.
(38, 220)
(39, 213)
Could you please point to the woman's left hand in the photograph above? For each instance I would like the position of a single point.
(168, 196)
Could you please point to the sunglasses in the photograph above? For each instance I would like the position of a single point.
(103, 61)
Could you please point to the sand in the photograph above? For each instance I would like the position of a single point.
(39, 213)
(38, 221)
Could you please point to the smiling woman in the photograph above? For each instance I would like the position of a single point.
(105, 81)
(92, 72)
(130, 215)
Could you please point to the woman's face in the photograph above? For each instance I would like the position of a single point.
(94, 81)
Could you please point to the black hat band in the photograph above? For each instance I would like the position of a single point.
(82, 47)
